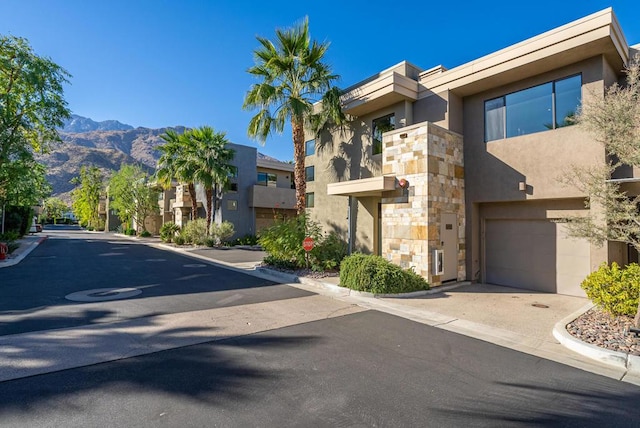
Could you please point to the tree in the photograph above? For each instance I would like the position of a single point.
(54, 208)
(86, 196)
(293, 77)
(614, 120)
(32, 105)
(211, 157)
(198, 156)
(132, 196)
(172, 166)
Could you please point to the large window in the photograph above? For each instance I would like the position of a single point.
(547, 106)
(310, 147)
(310, 173)
(267, 179)
(381, 125)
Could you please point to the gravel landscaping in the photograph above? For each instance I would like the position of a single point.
(601, 329)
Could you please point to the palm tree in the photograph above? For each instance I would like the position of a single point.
(210, 157)
(293, 77)
(172, 165)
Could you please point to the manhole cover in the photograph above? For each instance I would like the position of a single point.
(539, 305)
(103, 294)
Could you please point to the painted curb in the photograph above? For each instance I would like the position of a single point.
(31, 246)
(631, 363)
(355, 293)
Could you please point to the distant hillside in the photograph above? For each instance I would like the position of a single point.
(84, 124)
(107, 145)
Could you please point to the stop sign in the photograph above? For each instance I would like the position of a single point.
(307, 243)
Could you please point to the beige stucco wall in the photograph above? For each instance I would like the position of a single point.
(494, 169)
(347, 155)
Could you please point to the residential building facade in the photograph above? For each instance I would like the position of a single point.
(260, 192)
(457, 173)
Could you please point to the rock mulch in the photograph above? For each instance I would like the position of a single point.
(601, 329)
(307, 273)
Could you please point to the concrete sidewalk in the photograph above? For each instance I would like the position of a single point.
(27, 244)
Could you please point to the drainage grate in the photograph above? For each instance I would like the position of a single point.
(539, 305)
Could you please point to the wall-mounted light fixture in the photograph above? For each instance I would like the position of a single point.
(403, 135)
(522, 186)
(403, 183)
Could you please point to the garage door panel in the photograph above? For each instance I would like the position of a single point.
(536, 255)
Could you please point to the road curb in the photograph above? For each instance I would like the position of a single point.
(17, 259)
(622, 360)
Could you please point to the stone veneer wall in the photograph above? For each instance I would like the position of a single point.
(431, 159)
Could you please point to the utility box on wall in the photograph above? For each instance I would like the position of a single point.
(438, 262)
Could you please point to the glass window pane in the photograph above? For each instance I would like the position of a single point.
(529, 111)
(310, 147)
(381, 125)
(494, 119)
(309, 173)
(262, 179)
(272, 180)
(310, 200)
(568, 99)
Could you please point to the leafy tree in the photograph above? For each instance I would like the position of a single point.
(132, 196)
(293, 77)
(32, 105)
(54, 208)
(86, 195)
(614, 120)
(172, 166)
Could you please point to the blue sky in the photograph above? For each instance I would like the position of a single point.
(156, 63)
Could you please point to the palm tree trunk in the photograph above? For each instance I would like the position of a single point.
(297, 126)
(194, 202)
(209, 193)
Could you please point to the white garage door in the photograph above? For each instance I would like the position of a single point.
(535, 255)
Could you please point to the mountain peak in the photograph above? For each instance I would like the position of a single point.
(78, 124)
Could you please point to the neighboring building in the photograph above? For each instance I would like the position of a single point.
(260, 191)
(480, 149)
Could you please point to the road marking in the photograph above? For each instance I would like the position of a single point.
(194, 265)
(155, 260)
(103, 294)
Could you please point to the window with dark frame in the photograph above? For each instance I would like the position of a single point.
(310, 148)
(380, 126)
(267, 179)
(310, 200)
(543, 107)
(309, 173)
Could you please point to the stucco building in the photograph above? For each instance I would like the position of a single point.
(260, 191)
(456, 172)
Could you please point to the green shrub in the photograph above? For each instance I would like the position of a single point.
(168, 231)
(90, 228)
(195, 232)
(328, 253)
(130, 232)
(210, 241)
(614, 289)
(245, 240)
(179, 240)
(284, 239)
(221, 232)
(8, 237)
(376, 275)
(279, 263)
(145, 234)
(12, 246)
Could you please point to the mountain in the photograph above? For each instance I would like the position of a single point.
(107, 145)
(84, 124)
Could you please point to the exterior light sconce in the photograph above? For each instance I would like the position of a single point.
(403, 183)
(522, 186)
(403, 135)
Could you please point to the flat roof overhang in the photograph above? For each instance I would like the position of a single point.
(378, 93)
(593, 35)
(373, 186)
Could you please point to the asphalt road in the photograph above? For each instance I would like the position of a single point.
(366, 369)
(362, 369)
(32, 293)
